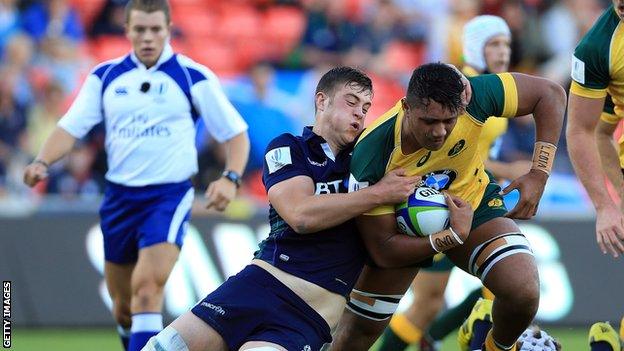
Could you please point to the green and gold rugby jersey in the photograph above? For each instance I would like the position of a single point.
(493, 128)
(457, 166)
(598, 61)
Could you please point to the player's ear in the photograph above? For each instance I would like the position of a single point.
(320, 101)
(404, 105)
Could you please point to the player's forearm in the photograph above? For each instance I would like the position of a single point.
(586, 162)
(237, 153)
(324, 211)
(548, 113)
(610, 160)
(58, 144)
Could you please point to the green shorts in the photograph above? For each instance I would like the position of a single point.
(490, 207)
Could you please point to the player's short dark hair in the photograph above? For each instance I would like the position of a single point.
(435, 82)
(148, 6)
(341, 76)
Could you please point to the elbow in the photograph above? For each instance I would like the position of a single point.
(557, 96)
(301, 224)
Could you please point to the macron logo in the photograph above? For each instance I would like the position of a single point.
(215, 308)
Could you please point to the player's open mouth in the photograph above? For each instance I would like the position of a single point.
(147, 51)
(355, 125)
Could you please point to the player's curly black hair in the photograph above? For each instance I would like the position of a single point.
(341, 76)
(435, 82)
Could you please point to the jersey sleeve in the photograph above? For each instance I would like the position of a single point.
(283, 159)
(590, 70)
(368, 166)
(86, 110)
(608, 112)
(493, 95)
(222, 120)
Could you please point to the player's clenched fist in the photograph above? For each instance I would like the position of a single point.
(35, 172)
(395, 187)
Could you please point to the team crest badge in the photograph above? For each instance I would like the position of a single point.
(457, 148)
(439, 180)
(495, 202)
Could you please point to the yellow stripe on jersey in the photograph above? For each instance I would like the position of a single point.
(381, 210)
(589, 93)
(397, 108)
(511, 95)
(616, 67)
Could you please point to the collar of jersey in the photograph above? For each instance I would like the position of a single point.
(310, 137)
(166, 54)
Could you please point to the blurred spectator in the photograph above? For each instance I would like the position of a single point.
(75, 180)
(12, 122)
(9, 22)
(259, 109)
(328, 34)
(18, 58)
(52, 18)
(44, 115)
(58, 60)
(111, 19)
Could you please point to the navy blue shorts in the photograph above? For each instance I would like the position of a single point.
(254, 306)
(136, 217)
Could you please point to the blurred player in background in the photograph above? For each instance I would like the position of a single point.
(294, 291)
(598, 70)
(149, 101)
(486, 45)
(431, 134)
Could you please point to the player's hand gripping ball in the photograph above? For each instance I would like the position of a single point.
(425, 212)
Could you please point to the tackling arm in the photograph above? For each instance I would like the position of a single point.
(295, 200)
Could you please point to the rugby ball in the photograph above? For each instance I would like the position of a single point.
(424, 213)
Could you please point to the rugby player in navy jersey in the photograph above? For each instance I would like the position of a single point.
(149, 100)
(294, 291)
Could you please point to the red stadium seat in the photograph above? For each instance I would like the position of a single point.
(109, 47)
(404, 57)
(239, 21)
(218, 56)
(87, 10)
(195, 21)
(283, 28)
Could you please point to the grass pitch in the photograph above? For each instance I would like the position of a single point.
(572, 339)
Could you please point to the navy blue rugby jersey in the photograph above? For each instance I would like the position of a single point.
(332, 258)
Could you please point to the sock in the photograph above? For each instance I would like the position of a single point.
(492, 345)
(453, 318)
(124, 335)
(144, 326)
(600, 346)
(480, 331)
(400, 334)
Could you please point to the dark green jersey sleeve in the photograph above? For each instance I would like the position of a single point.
(492, 95)
(371, 154)
(590, 63)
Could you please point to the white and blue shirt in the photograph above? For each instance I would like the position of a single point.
(150, 116)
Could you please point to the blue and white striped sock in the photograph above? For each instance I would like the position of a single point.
(144, 326)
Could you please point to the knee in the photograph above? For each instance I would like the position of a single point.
(523, 295)
(146, 294)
